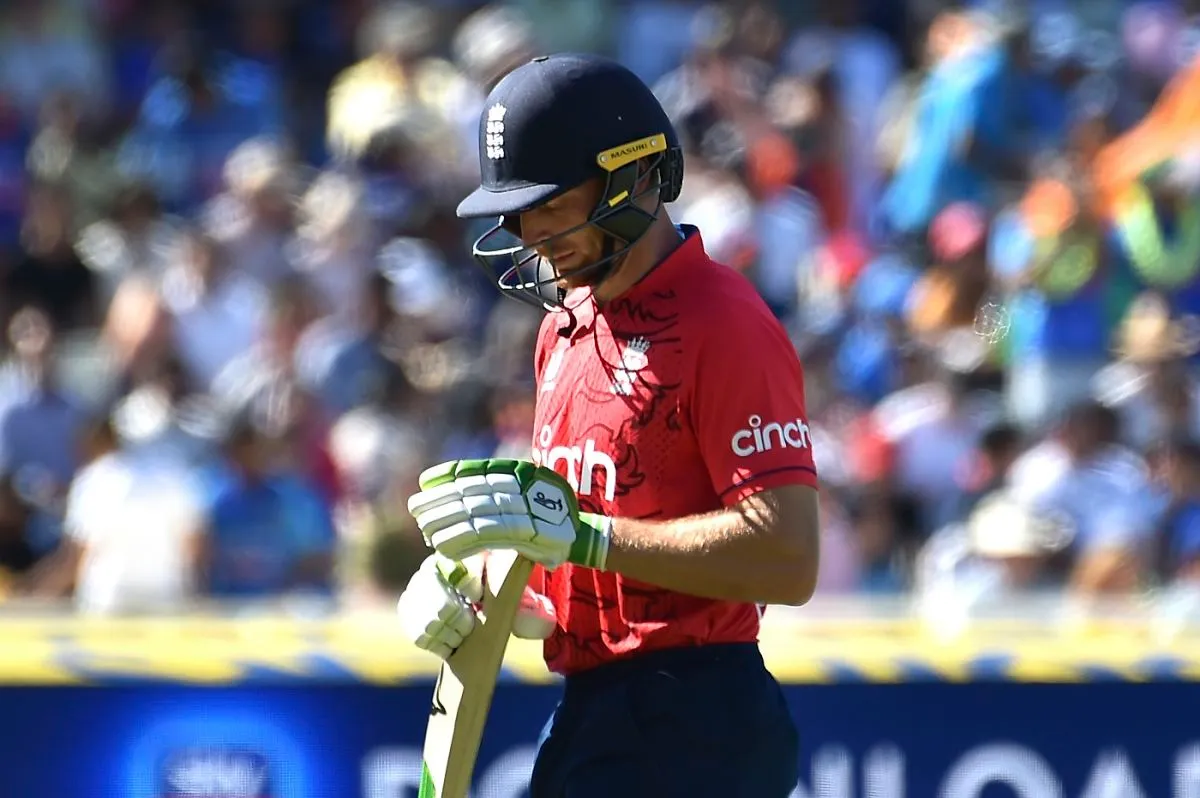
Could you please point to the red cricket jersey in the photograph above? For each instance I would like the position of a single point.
(679, 397)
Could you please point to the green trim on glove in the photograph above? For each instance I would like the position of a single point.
(592, 539)
(446, 472)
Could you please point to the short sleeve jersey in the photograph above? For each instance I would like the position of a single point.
(682, 396)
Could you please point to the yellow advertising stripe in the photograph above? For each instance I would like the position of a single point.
(370, 647)
(93, 665)
(876, 670)
(833, 670)
(391, 665)
(1042, 670)
(206, 661)
(379, 671)
(33, 662)
(399, 663)
(806, 672)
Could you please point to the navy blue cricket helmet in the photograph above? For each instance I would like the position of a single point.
(553, 124)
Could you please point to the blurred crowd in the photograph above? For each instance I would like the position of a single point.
(240, 315)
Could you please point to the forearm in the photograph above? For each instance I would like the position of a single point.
(733, 554)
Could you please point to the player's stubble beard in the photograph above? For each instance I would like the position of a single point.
(590, 275)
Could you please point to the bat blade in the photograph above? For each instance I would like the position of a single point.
(466, 683)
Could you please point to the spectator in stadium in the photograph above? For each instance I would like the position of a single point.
(17, 555)
(860, 65)
(265, 380)
(266, 530)
(880, 553)
(380, 448)
(932, 429)
(131, 518)
(252, 218)
(48, 45)
(257, 57)
(136, 335)
(1150, 385)
(40, 421)
(191, 119)
(821, 136)
(215, 312)
(714, 69)
(267, 369)
(986, 471)
(164, 412)
(334, 246)
(948, 296)
(133, 239)
(1049, 256)
(341, 362)
(397, 72)
(1018, 541)
(965, 62)
(1002, 548)
(74, 151)
(49, 274)
(378, 444)
(1085, 474)
(1174, 551)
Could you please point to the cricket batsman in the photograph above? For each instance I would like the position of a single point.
(670, 495)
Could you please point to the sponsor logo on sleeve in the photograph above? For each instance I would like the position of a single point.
(758, 437)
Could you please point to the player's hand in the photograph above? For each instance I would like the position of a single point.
(438, 607)
(470, 506)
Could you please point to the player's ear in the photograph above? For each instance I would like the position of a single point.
(647, 175)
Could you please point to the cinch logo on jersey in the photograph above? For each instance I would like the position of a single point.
(215, 773)
(759, 438)
(582, 463)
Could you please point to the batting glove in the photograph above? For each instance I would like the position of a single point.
(470, 506)
(438, 609)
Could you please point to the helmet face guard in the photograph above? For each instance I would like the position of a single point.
(520, 273)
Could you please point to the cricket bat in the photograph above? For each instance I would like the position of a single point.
(467, 681)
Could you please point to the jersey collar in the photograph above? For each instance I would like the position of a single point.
(665, 273)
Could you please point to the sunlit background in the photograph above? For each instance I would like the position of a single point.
(228, 244)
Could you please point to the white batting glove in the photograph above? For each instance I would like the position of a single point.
(438, 607)
(470, 506)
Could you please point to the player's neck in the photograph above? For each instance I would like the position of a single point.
(654, 247)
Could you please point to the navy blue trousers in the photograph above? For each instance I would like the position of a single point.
(705, 721)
